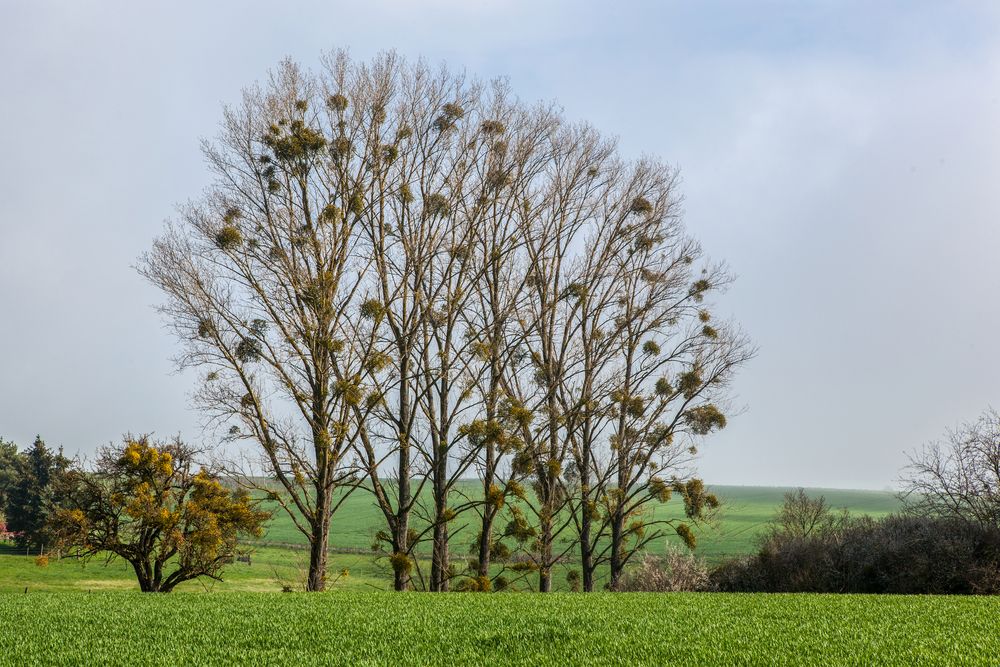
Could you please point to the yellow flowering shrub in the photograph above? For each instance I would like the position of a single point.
(150, 504)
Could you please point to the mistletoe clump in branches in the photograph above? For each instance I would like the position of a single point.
(451, 283)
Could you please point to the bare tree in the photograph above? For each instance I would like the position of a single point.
(801, 515)
(423, 227)
(444, 234)
(960, 476)
(651, 369)
(262, 278)
(518, 156)
(403, 275)
(408, 208)
(554, 218)
(673, 377)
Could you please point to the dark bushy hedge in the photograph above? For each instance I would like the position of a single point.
(897, 554)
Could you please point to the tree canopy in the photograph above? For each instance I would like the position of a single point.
(34, 492)
(402, 275)
(150, 504)
(958, 477)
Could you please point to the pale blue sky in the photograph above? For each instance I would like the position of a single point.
(843, 157)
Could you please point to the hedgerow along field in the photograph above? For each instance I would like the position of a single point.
(280, 559)
(502, 629)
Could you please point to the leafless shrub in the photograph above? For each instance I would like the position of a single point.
(675, 572)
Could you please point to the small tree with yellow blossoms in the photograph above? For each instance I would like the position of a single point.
(150, 504)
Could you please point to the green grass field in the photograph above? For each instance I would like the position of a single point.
(270, 569)
(745, 511)
(357, 623)
(560, 629)
(277, 560)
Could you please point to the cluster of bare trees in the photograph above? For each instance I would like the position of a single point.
(402, 278)
(958, 478)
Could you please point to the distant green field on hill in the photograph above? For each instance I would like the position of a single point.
(745, 512)
(279, 558)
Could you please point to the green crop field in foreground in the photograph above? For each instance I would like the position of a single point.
(557, 629)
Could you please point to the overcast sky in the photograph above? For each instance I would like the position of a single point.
(842, 157)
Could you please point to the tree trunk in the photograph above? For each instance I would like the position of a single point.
(586, 554)
(318, 544)
(485, 538)
(439, 558)
(617, 524)
(401, 529)
(545, 564)
(439, 563)
(483, 568)
(621, 491)
(490, 508)
(145, 577)
(586, 549)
